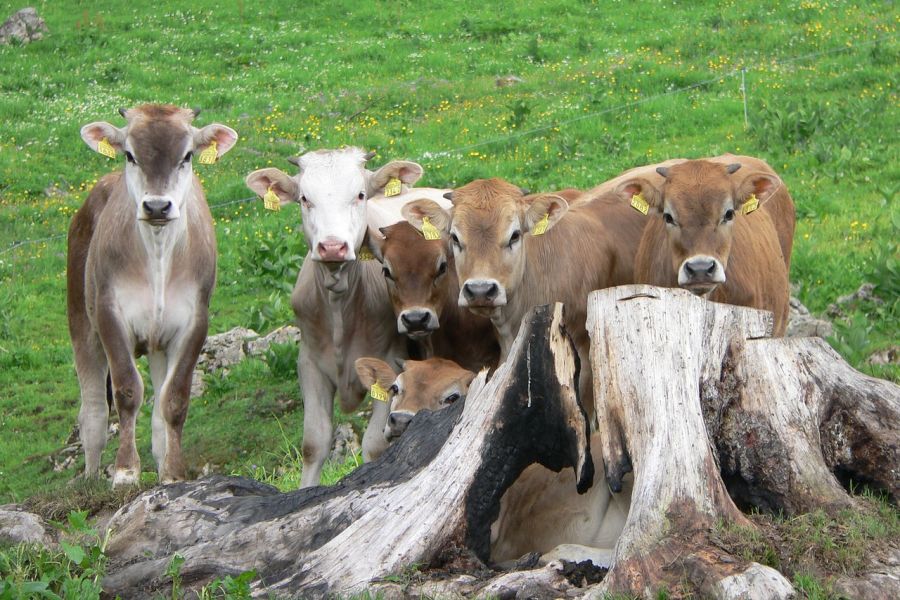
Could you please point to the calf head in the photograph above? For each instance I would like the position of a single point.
(332, 188)
(416, 270)
(699, 202)
(430, 384)
(158, 142)
(487, 225)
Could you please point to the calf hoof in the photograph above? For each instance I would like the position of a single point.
(126, 477)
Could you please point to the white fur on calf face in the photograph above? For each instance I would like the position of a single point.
(333, 201)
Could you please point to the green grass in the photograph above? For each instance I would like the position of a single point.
(606, 86)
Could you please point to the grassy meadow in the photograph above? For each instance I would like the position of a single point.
(605, 86)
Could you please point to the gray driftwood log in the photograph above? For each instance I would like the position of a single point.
(687, 391)
(431, 498)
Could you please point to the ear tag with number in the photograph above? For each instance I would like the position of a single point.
(106, 149)
(429, 231)
(750, 205)
(365, 254)
(392, 187)
(210, 154)
(639, 204)
(271, 200)
(378, 393)
(540, 228)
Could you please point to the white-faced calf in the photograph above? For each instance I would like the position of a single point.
(141, 270)
(341, 304)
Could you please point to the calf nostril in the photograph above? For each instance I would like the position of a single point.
(711, 269)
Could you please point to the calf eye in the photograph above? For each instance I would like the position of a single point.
(304, 201)
(451, 398)
(668, 218)
(729, 215)
(393, 389)
(387, 273)
(188, 156)
(515, 237)
(442, 268)
(362, 196)
(455, 241)
(129, 157)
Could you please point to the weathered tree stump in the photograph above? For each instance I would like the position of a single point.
(686, 389)
(429, 499)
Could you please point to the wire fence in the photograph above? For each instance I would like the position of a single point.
(566, 122)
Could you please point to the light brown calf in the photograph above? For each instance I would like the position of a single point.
(423, 287)
(505, 269)
(141, 270)
(699, 238)
(542, 509)
(430, 384)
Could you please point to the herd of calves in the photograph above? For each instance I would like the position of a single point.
(393, 269)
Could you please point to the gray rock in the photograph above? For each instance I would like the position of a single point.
(345, 443)
(887, 356)
(198, 385)
(865, 293)
(882, 582)
(23, 26)
(283, 335)
(224, 350)
(18, 526)
(802, 324)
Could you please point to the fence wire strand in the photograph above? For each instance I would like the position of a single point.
(558, 124)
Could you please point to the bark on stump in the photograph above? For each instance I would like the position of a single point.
(686, 388)
(429, 499)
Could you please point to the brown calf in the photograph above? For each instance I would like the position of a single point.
(141, 270)
(430, 384)
(423, 287)
(542, 509)
(721, 228)
(505, 268)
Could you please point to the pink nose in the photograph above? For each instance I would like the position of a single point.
(332, 250)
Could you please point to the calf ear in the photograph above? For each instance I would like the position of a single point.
(416, 211)
(371, 370)
(630, 188)
(546, 209)
(94, 133)
(407, 172)
(763, 185)
(225, 138)
(374, 241)
(284, 186)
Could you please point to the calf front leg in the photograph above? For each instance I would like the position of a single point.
(318, 409)
(176, 396)
(128, 393)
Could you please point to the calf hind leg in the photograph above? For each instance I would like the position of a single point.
(93, 415)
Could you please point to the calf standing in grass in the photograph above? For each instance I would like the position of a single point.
(722, 228)
(141, 269)
(341, 303)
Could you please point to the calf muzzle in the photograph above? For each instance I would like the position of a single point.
(157, 211)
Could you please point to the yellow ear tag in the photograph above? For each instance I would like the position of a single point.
(378, 393)
(429, 231)
(392, 187)
(750, 205)
(209, 154)
(105, 148)
(540, 228)
(271, 200)
(639, 204)
(365, 254)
